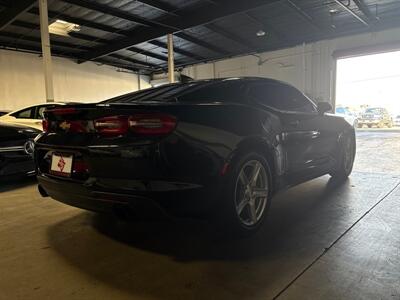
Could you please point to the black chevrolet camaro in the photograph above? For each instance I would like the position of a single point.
(16, 150)
(219, 148)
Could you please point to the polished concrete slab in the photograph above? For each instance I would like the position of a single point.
(322, 240)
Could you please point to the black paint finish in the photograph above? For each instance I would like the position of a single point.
(190, 163)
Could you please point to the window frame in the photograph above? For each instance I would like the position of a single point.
(282, 85)
(32, 112)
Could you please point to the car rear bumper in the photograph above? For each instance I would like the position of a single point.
(108, 196)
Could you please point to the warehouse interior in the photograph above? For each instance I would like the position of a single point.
(321, 240)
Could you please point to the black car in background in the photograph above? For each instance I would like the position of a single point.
(16, 150)
(220, 148)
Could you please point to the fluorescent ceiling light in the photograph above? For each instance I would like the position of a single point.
(61, 27)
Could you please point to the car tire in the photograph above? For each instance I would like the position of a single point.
(245, 201)
(347, 153)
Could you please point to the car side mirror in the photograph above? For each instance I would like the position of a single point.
(323, 107)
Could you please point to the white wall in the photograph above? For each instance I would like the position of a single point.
(309, 67)
(22, 80)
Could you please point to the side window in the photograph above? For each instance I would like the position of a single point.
(281, 97)
(24, 114)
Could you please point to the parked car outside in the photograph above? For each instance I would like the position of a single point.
(376, 116)
(396, 121)
(16, 150)
(31, 116)
(217, 148)
(347, 115)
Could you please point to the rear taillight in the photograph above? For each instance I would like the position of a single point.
(152, 124)
(45, 125)
(144, 124)
(112, 126)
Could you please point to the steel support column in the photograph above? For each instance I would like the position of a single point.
(46, 51)
(171, 63)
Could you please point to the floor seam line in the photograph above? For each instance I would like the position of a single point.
(335, 242)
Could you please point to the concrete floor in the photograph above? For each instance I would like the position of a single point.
(321, 241)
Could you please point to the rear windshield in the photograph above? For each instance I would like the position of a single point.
(200, 92)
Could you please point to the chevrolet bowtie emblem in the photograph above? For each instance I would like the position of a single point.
(65, 126)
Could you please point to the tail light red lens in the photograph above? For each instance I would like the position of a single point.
(45, 125)
(112, 126)
(152, 124)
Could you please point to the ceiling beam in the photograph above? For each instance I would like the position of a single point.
(89, 38)
(201, 43)
(142, 65)
(60, 53)
(159, 5)
(189, 18)
(109, 10)
(177, 50)
(27, 25)
(34, 49)
(148, 53)
(12, 12)
(77, 35)
(105, 9)
(103, 61)
(249, 45)
(365, 10)
(341, 4)
(20, 37)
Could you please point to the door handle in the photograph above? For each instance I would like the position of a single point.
(294, 123)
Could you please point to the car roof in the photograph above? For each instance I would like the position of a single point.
(233, 79)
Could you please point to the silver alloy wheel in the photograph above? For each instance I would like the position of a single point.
(251, 192)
